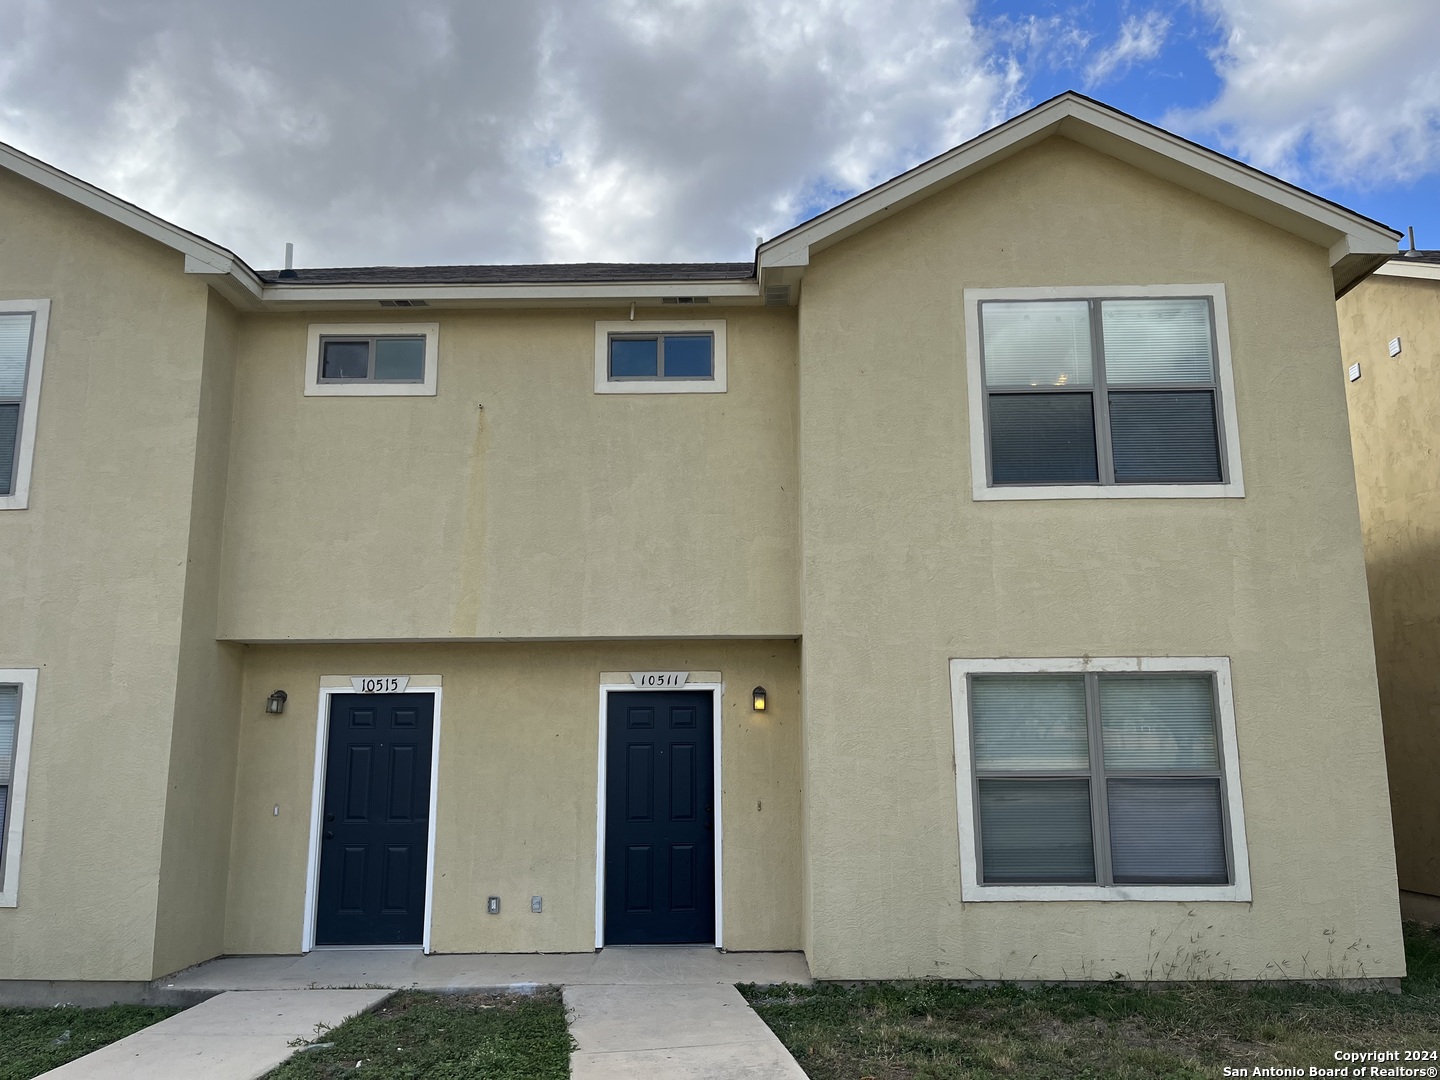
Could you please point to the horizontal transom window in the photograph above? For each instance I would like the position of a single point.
(662, 356)
(1107, 391)
(1102, 781)
(372, 359)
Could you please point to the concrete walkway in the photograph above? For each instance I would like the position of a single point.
(235, 1036)
(694, 1032)
(635, 1013)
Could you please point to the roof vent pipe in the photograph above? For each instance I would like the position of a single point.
(1412, 237)
(289, 271)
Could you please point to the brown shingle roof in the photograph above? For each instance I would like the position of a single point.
(525, 274)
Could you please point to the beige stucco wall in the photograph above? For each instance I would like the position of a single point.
(92, 577)
(1395, 428)
(903, 571)
(199, 797)
(517, 788)
(516, 502)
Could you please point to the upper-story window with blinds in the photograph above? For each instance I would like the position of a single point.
(1105, 392)
(22, 351)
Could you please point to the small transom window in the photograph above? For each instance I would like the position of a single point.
(662, 356)
(372, 359)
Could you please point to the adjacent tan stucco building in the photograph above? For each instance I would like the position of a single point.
(1390, 341)
(533, 536)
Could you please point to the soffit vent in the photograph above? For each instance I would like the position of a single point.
(404, 303)
(777, 295)
(684, 300)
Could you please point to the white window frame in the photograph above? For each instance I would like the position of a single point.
(1234, 486)
(426, 388)
(26, 679)
(19, 497)
(972, 890)
(714, 385)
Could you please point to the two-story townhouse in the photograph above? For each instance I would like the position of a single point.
(969, 586)
(1390, 345)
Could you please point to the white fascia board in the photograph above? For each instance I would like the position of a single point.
(1209, 173)
(1401, 268)
(203, 256)
(627, 292)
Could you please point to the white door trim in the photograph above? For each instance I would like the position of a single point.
(716, 691)
(340, 684)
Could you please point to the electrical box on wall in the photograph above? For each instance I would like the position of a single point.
(537, 904)
(492, 905)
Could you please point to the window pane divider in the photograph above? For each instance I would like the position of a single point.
(1104, 450)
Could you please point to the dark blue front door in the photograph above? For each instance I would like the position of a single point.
(375, 822)
(659, 819)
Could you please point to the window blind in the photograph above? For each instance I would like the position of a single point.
(1157, 342)
(1036, 831)
(1038, 343)
(9, 722)
(14, 352)
(1166, 832)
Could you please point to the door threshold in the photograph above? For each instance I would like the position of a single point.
(667, 945)
(367, 948)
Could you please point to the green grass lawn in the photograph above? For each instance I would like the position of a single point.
(444, 1037)
(33, 1041)
(900, 1031)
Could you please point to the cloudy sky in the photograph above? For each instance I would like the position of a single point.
(435, 131)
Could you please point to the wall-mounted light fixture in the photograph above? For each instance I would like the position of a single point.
(275, 703)
(757, 699)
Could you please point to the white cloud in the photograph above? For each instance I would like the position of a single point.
(1141, 38)
(1327, 91)
(444, 131)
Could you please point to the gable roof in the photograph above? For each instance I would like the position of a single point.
(1357, 244)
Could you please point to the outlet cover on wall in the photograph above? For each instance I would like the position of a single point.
(537, 904)
(492, 905)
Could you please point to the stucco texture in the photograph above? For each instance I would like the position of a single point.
(519, 739)
(93, 578)
(517, 502)
(903, 571)
(1394, 411)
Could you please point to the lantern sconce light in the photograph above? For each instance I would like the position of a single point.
(757, 699)
(275, 703)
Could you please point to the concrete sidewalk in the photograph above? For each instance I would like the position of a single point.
(696, 1032)
(235, 1036)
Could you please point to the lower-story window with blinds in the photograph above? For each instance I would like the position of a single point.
(9, 729)
(16, 710)
(1100, 779)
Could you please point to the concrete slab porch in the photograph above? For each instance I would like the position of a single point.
(411, 969)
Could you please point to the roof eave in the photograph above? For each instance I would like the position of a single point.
(293, 296)
(234, 278)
